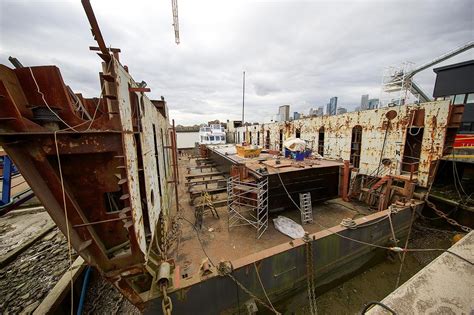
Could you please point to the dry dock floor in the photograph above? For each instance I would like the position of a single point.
(223, 244)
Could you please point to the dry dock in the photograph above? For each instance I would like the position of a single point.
(445, 286)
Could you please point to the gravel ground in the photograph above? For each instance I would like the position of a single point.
(103, 298)
(27, 280)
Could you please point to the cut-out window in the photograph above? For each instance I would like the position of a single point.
(356, 145)
(321, 141)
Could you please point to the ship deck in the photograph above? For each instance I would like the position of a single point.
(222, 244)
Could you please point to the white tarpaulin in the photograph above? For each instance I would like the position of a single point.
(295, 144)
(288, 227)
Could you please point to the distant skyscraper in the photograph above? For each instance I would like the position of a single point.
(296, 115)
(284, 113)
(341, 110)
(320, 111)
(316, 111)
(373, 103)
(364, 102)
(331, 108)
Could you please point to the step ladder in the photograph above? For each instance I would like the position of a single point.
(306, 208)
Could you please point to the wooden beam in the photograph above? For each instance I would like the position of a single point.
(95, 27)
(138, 89)
(62, 287)
(114, 50)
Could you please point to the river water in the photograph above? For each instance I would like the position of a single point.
(186, 139)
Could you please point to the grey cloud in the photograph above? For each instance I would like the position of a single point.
(299, 53)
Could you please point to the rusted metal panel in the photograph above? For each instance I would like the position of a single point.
(130, 151)
(374, 123)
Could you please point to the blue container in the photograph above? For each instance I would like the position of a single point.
(307, 153)
(287, 152)
(299, 156)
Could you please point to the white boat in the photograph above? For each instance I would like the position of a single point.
(212, 134)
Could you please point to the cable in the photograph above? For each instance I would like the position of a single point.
(46, 103)
(68, 235)
(200, 242)
(263, 288)
(404, 252)
(394, 249)
(460, 257)
(54, 113)
(372, 303)
(229, 274)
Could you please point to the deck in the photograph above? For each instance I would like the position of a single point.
(224, 244)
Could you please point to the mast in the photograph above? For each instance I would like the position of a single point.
(243, 98)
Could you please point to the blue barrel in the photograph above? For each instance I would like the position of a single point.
(299, 156)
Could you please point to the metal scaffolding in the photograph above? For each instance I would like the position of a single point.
(248, 204)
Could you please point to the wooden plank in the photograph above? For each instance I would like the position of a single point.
(188, 177)
(201, 166)
(195, 194)
(217, 203)
(205, 181)
(283, 163)
(62, 287)
(137, 89)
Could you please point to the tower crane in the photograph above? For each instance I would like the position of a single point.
(174, 5)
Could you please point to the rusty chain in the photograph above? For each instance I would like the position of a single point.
(448, 219)
(310, 276)
(168, 238)
(166, 303)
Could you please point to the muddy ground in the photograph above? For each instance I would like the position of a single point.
(377, 282)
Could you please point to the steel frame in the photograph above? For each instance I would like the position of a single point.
(247, 203)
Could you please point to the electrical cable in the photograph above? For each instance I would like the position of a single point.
(372, 303)
(460, 257)
(394, 249)
(55, 114)
(263, 288)
(68, 235)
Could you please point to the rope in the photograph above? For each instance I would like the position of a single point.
(54, 113)
(68, 235)
(368, 306)
(263, 288)
(66, 219)
(406, 246)
(394, 248)
(349, 223)
(227, 272)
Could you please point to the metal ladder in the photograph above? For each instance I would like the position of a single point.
(306, 208)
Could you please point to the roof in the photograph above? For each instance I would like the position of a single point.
(455, 65)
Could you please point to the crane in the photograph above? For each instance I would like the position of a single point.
(402, 79)
(174, 5)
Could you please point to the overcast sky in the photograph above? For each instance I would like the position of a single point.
(294, 52)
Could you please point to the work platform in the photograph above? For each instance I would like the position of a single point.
(319, 177)
(445, 286)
